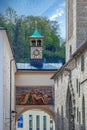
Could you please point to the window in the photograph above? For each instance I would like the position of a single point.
(77, 85)
(70, 51)
(57, 82)
(83, 113)
(82, 63)
(62, 125)
(33, 43)
(30, 122)
(77, 113)
(51, 124)
(20, 122)
(44, 123)
(58, 119)
(79, 117)
(79, 89)
(39, 43)
(37, 122)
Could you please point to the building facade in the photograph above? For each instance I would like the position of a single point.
(76, 22)
(25, 86)
(7, 83)
(34, 87)
(71, 79)
(70, 106)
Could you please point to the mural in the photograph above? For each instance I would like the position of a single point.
(34, 96)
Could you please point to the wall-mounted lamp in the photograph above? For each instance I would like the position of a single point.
(8, 120)
(13, 113)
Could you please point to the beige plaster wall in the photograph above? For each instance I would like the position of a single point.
(38, 78)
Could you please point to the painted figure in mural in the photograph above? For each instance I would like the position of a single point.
(34, 96)
(50, 100)
(40, 100)
(37, 97)
(30, 99)
(45, 97)
(25, 98)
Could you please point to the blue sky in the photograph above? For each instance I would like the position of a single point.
(52, 9)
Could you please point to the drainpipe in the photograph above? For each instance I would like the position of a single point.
(11, 89)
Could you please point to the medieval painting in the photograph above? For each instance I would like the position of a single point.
(34, 96)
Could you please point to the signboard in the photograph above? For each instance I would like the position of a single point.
(34, 96)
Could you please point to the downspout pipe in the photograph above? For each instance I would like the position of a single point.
(11, 90)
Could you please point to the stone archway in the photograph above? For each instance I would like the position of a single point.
(44, 115)
(45, 109)
(70, 111)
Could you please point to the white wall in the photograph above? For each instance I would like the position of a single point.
(1, 81)
(5, 67)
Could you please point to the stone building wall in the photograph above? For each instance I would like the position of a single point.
(70, 28)
(81, 22)
(76, 30)
(76, 81)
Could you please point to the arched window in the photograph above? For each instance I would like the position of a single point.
(70, 111)
(39, 43)
(33, 43)
(83, 112)
(62, 123)
(58, 119)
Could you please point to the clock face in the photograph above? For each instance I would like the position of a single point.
(36, 53)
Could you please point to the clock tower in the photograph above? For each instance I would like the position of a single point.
(36, 56)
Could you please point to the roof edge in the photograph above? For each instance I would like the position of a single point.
(76, 54)
(5, 29)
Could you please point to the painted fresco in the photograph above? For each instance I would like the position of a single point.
(34, 96)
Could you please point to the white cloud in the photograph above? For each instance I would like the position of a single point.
(58, 13)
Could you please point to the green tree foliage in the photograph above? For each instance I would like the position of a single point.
(21, 27)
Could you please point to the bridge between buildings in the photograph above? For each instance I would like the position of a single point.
(35, 90)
